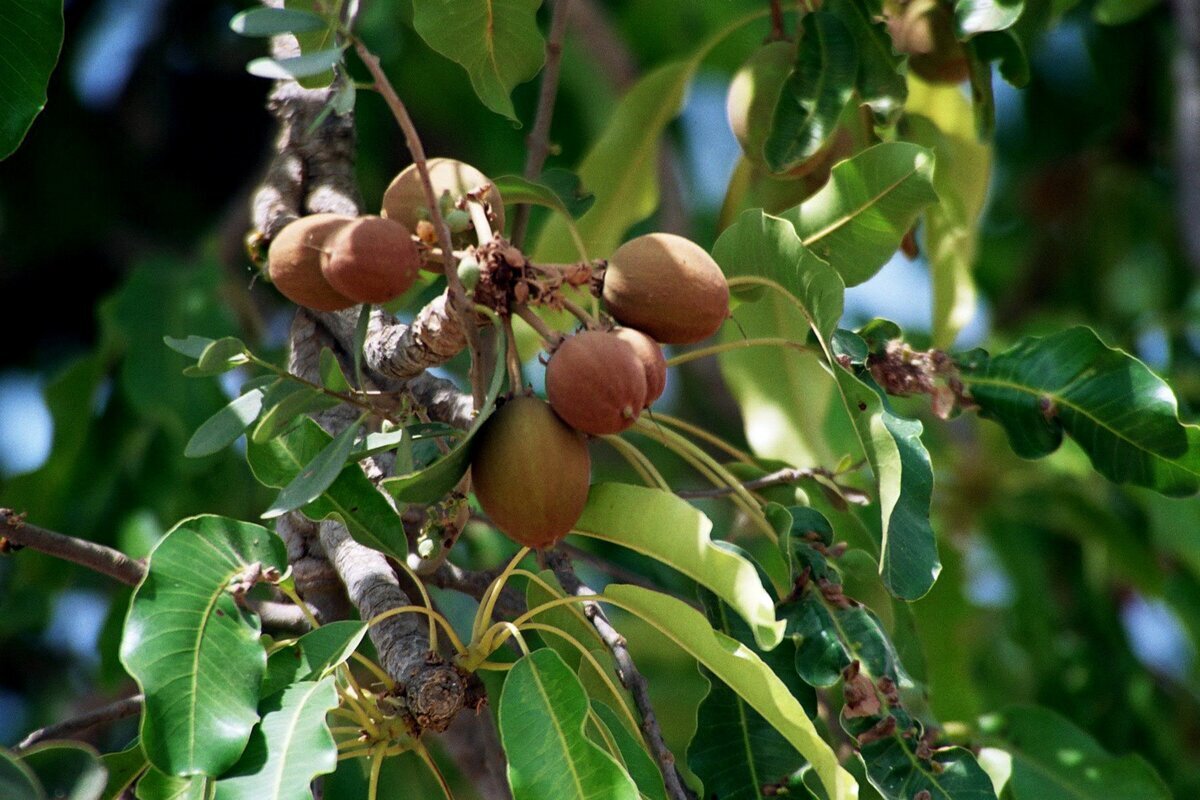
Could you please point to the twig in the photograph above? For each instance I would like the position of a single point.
(777, 30)
(474, 583)
(96, 557)
(781, 477)
(69, 729)
(1187, 125)
(620, 573)
(539, 137)
(551, 338)
(627, 671)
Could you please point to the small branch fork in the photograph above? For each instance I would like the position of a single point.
(627, 671)
(71, 728)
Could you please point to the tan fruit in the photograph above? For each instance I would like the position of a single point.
(653, 361)
(753, 94)
(596, 383)
(530, 472)
(294, 262)
(372, 260)
(667, 287)
(924, 29)
(404, 200)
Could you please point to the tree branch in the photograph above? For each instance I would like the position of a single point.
(69, 729)
(509, 604)
(627, 671)
(96, 557)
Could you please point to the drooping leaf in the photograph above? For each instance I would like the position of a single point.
(1123, 415)
(124, 768)
(312, 655)
(67, 770)
(979, 16)
(274, 21)
(315, 477)
(17, 780)
(857, 219)
(814, 95)
(35, 36)
(542, 712)
(744, 672)
(496, 41)
(1119, 12)
(201, 673)
(156, 785)
(940, 118)
(676, 533)
(880, 82)
(224, 427)
(291, 746)
(1051, 759)
(632, 751)
(736, 752)
(351, 497)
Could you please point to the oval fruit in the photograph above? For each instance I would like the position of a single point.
(653, 361)
(294, 262)
(596, 383)
(372, 260)
(667, 287)
(925, 31)
(530, 472)
(404, 200)
(753, 95)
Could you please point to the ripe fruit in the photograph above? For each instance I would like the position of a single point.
(404, 200)
(653, 361)
(294, 262)
(596, 383)
(754, 93)
(530, 472)
(925, 30)
(667, 287)
(372, 260)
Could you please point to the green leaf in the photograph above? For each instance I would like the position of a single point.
(880, 81)
(123, 768)
(1123, 415)
(291, 746)
(67, 770)
(496, 41)
(351, 497)
(898, 773)
(224, 427)
(317, 475)
(34, 38)
(309, 65)
(201, 673)
(1119, 12)
(1051, 759)
(192, 346)
(286, 402)
(314, 653)
(633, 753)
(941, 118)
(978, 16)
(17, 779)
(857, 219)
(274, 21)
(542, 712)
(670, 530)
(908, 560)
(156, 785)
(566, 196)
(218, 358)
(322, 41)
(736, 752)
(744, 672)
(814, 95)
(332, 377)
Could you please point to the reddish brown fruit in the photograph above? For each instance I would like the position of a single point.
(596, 383)
(924, 29)
(653, 361)
(530, 472)
(372, 260)
(294, 262)
(667, 287)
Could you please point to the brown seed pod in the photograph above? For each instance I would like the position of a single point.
(530, 472)
(653, 361)
(404, 200)
(667, 287)
(596, 383)
(924, 29)
(372, 260)
(294, 262)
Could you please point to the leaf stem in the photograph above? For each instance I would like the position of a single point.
(700, 433)
(638, 460)
(740, 344)
(551, 338)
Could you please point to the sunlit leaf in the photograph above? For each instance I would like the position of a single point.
(274, 21)
(312, 655)
(224, 427)
(316, 476)
(979, 16)
(156, 785)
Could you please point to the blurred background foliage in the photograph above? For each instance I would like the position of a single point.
(122, 218)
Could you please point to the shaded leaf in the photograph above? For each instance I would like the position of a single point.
(542, 712)
(496, 41)
(880, 82)
(558, 189)
(857, 219)
(273, 21)
(17, 779)
(309, 65)
(200, 674)
(291, 746)
(314, 653)
(1119, 12)
(332, 377)
(156, 785)
(633, 754)
(123, 768)
(674, 532)
(286, 402)
(34, 36)
(224, 427)
(191, 346)
(318, 41)
(316, 476)
(67, 770)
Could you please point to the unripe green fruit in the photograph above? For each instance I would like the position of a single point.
(753, 95)
(653, 361)
(667, 287)
(530, 472)
(469, 272)
(596, 383)
(925, 31)
(294, 262)
(404, 200)
(372, 260)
